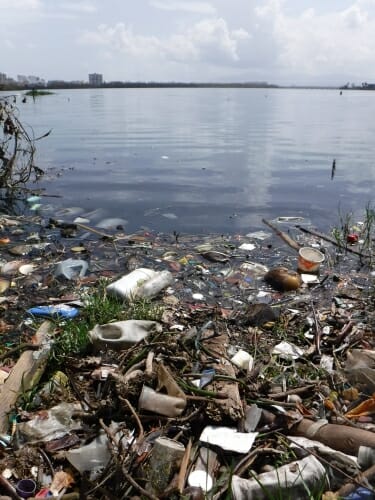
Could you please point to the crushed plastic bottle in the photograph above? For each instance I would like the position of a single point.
(57, 311)
(71, 268)
(360, 494)
(122, 334)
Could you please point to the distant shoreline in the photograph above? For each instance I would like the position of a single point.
(132, 85)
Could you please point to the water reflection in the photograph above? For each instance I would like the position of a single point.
(219, 159)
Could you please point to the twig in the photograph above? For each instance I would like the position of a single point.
(287, 239)
(20, 347)
(183, 468)
(361, 479)
(149, 360)
(135, 415)
(92, 230)
(272, 402)
(297, 390)
(318, 331)
(331, 240)
(46, 458)
(5, 484)
(346, 329)
(138, 487)
(250, 457)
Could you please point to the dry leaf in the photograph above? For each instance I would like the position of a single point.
(365, 408)
(329, 405)
(60, 481)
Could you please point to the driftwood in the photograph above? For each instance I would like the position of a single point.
(25, 374)
(288, 240)
(230, 404)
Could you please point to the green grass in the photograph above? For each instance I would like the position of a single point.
(100, 308)
(34, 93)
(365, 231)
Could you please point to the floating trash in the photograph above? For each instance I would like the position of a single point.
(111, 223)
(170, 216)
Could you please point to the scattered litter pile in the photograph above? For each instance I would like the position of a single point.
(157, 366)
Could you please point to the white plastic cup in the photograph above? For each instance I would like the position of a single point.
(162, 404)
(309, 260)
(243, 359)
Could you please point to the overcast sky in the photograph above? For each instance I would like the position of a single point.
(278, 41)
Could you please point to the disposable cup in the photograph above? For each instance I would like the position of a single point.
(162, 404)
(309, 260)
(25, 488)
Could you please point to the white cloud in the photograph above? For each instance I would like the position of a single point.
(204, 8)
(85, 6)
(209, 40)
(20, 4)
(315, 44)
(354, 17)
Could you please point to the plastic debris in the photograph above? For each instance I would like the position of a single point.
(291, 479)
(287, 350)
(71, 268)
(228, 439)
(55, 311)
(122, 334)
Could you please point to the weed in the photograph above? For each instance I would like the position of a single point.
(143, 309)
(340, 234)
(26, 396)
(365, 231)
(99, 308)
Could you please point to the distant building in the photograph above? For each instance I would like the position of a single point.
(95, 79)
(22, 79)
(30, 80)
(3, 78)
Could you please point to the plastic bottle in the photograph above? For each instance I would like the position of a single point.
(294, 479)
(122, 334)
(141, 282)
(154, 285)
(71, 268)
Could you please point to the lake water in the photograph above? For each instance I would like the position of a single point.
(206, 160)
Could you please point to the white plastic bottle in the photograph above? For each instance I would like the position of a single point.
(127, 287)
(141, 282)
(154, 285)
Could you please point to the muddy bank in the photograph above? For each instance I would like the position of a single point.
(233, 370)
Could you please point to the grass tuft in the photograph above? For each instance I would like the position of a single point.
(100, 308)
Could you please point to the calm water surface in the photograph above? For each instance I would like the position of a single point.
(206, 160)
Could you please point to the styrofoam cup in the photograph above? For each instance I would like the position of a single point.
(309, 260)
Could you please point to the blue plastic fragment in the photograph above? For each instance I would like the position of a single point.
(57, 311)
(206, 377)
(360, 494)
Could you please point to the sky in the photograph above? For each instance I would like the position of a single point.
(284, 42)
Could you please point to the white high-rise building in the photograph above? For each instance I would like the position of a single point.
(95, 79)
